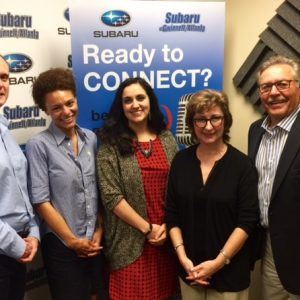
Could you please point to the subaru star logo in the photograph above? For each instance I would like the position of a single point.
(67, 14)
(115, 18)
(18, 62)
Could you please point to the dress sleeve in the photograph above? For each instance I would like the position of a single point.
(109, 176)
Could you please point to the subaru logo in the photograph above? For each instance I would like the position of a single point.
(67, 14)
(115, 18)
(18, 62)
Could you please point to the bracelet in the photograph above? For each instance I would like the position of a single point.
(227, 259)
(149, 230)
(177, 246)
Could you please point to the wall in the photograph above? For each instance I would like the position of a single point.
(245, 20)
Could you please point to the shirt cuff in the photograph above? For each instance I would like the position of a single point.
(34, 232)
(17, 247)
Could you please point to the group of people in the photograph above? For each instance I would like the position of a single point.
(205, 213)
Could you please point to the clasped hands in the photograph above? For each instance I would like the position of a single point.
(85, 247)
(158, 235)
(31, 247)
(202, 273)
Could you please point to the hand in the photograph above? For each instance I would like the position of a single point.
(201, 281)
(32, 244)
(188, 265)
(158, 235)
(153, 233)
(84, 247)
(97, 237)
(204, 271)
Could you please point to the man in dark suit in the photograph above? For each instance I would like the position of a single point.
(274, 146)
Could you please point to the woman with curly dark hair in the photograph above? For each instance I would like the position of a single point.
(64, 191)
(133, 164)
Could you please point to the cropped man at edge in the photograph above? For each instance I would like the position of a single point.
(19, 232)
(274, 145)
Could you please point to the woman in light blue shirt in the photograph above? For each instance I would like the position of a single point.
(63, 189)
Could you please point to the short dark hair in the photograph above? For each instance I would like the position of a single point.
(55, 79)
(116, 130)
(204, 100)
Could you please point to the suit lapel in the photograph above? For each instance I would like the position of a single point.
(289, 152)
(255, 139)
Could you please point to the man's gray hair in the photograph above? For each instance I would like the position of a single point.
(280, 60)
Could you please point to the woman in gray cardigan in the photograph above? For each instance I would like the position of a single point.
(133, 164)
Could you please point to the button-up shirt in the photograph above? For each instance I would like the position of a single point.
(16, 213)
(267, 159)
(66, 180)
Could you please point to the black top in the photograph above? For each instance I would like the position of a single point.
(208, 214)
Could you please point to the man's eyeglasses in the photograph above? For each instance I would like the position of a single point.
(281, 85)
(215, 121)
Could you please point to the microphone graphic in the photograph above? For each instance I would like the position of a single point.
(183, 135)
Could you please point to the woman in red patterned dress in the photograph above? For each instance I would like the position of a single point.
(133, 164)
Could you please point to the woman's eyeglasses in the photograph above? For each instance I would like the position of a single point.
(215, 121)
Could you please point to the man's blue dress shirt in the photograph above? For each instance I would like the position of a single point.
(16, 213)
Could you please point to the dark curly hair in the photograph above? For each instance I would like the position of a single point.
(116, 130)
(52, 80)
(204, 100)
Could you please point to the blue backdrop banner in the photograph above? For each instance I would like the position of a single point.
(177, 46)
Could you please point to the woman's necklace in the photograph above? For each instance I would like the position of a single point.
(146, 152)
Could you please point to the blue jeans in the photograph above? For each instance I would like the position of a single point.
(71, 277)
(12, 279)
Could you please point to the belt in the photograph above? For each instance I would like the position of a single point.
(23, 234)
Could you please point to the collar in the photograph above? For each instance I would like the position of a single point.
(3, 123)
(3, 120)
(60, 136)
(285, 124)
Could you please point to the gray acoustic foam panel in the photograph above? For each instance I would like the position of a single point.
(282, 37)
